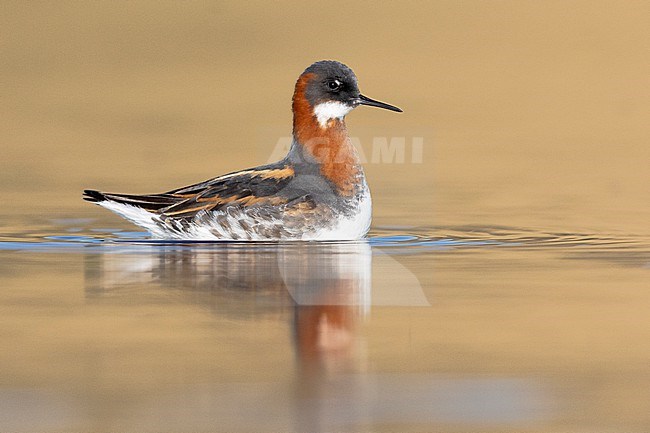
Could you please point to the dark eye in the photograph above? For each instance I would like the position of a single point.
(334, 85)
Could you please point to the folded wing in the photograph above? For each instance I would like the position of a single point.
(261, 185)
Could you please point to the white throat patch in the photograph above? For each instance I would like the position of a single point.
(331, 110)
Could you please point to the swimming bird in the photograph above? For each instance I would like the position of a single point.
(317, 192)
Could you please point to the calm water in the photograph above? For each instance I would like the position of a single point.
(463, 328)
(504, 287)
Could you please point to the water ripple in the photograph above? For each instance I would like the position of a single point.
(64, 235)
(474, 236)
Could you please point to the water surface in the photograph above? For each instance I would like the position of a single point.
(494, 328)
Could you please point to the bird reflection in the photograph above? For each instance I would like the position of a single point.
(324, 289)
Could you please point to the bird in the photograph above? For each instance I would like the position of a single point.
(317, 192)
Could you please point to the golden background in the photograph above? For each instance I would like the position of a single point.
(536, 111)
(534, 114)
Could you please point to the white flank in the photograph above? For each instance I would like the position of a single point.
(331, 110)
(348, 229)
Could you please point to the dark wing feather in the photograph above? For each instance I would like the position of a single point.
(244, 188)
(260, 185)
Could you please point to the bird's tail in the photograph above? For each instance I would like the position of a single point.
(151, 202)
(93, 196)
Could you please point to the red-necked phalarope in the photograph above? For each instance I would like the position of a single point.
(317, 192)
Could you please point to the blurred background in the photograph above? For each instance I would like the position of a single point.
(533, 113)
(522, 229)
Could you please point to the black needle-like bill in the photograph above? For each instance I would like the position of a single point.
(364, 100)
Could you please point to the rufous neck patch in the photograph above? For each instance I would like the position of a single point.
(326, 141)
